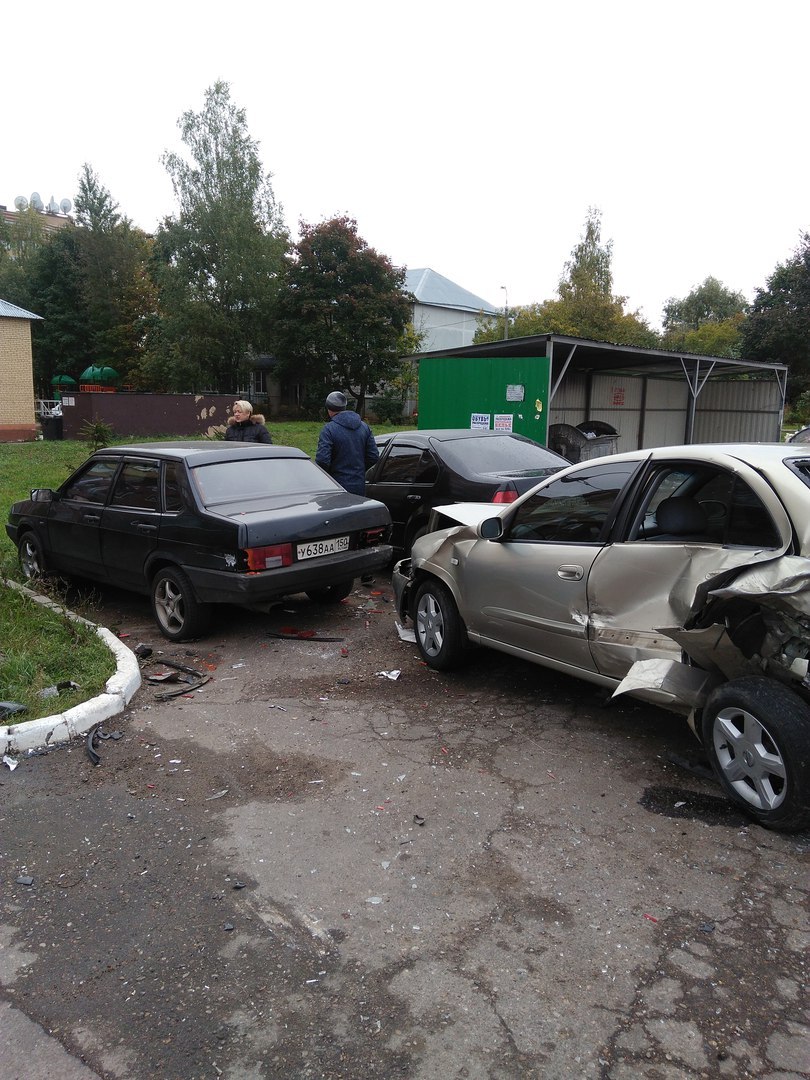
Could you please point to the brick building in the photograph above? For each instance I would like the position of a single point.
(17, 406)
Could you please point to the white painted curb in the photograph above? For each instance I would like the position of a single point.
(75, 722)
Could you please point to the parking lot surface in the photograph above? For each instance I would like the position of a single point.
(329, 861)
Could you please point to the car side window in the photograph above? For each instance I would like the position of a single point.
(93, 484)
(573, 509)
(137, 485)
(409, 465)
(172, 491)
(705, 504)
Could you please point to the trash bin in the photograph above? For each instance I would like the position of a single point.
(583, 442)
(602, 439)
(52, 428)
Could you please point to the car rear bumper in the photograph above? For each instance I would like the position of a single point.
(225, 587)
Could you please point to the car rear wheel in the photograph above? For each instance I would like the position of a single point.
(32, 557)
(331, 594)
(441, 636)
(177, 611)
(757, 735)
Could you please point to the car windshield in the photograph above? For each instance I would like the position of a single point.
(499, 454)
(238, 481)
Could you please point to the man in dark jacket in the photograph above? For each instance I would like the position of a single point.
(346, 447)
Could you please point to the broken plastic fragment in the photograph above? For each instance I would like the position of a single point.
(54, 691)
(393, 675)
(10, 761)
(9, 707)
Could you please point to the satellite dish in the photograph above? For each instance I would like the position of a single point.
(36, 201)
(21, 202)
(65, 206)
(53, 206)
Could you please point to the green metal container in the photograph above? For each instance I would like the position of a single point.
(508, 393)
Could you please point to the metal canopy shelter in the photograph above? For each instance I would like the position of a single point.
(572, 354)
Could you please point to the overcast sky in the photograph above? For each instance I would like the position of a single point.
(464, 136)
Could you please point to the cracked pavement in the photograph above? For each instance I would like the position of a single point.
(307, 869)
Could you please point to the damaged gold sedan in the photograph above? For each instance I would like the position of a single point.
(680, 575)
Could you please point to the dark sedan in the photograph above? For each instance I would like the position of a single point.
(193, 524)
(418, 470)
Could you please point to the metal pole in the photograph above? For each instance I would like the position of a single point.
(505, 313)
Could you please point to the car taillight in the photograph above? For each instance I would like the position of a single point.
(507, 496)
(270, 557)
(372, 537)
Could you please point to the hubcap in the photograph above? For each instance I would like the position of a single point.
(169, 606)
(430, 625)
(750, 758)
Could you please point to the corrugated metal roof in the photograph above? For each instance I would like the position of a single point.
(11, 311)
(433, 290)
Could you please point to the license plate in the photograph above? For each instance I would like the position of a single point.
(322, 547)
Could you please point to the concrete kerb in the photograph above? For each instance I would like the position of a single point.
(75, 722)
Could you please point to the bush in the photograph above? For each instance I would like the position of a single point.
(97, 432)
(388, 408)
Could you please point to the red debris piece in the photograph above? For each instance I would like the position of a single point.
(652, 918)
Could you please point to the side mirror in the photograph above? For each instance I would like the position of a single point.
(42, 495)
(491, 529)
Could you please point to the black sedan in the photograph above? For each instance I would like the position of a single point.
(193, 524)
(418, 470)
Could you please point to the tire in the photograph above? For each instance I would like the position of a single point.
(441, 636)
(32, 556)
(757, 735)
(177, 611)
(331, 594)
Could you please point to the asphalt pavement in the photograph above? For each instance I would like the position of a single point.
(323, 859)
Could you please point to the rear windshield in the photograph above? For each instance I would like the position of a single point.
(235, 481)
(499, 454)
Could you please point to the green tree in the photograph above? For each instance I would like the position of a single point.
(218, 260)
(91, 284)
(62, 341)
(342, 312)
(707, 321)
(777, 327)
(585, 305)
(95, 208)
(709, 302)
(20, 243)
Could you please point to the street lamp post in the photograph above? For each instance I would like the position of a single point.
(505, 312)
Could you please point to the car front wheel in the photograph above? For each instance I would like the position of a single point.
(757, 735)
(441, 636)
(177, 611)
(32, 557)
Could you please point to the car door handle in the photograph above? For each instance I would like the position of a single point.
(91, 519)
(571, 572)
(141, 528)
(413, 498)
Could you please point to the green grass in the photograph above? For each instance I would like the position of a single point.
(40, 648)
